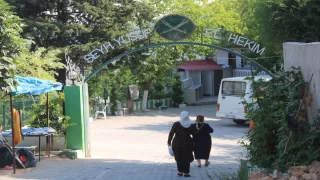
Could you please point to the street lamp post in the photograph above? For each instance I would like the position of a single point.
(72, 75)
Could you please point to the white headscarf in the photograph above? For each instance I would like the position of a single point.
(184, 119)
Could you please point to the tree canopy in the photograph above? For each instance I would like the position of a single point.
(275, 22)
(12, 44)
(49, 29)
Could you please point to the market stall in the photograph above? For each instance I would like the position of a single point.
(29, 86)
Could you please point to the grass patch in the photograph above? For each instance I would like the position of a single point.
(224, 174)
(243, 170)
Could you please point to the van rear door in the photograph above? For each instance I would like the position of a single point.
(230, 99)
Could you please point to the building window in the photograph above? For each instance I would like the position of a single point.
(233, 88)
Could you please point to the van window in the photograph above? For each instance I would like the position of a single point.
(233, 88)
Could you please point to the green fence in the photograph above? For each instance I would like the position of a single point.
(137, 105)
(151, 104)
(24, 104)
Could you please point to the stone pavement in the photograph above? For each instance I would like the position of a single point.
(134, 148)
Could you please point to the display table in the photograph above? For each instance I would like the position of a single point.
(193, 93)
(37, 132)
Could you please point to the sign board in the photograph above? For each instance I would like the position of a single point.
(174, 27)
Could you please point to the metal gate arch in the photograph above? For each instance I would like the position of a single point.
(85, 93)
(176, 43)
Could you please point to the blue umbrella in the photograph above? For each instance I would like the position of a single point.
(34, 86)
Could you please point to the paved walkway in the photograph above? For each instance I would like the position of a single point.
(134, 148)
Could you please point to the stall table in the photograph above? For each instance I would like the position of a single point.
(31, 132)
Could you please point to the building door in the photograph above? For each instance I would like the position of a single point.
(218, 75)
(232, 61)
(207, 82)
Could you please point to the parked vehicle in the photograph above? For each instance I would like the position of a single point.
(231, 94)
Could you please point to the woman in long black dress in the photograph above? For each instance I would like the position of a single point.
(182, 143)
(202, 140)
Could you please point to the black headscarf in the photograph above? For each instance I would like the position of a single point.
(199, 121)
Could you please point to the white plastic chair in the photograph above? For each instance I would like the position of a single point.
(102, 112)
(121, 109)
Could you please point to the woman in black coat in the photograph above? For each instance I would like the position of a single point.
(202, 140)
(182, 143)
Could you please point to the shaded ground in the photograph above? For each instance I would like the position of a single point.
(134, 147)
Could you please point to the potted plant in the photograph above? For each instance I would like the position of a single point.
(159, 94)
(158, 104)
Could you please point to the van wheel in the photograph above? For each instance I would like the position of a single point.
(239, 121)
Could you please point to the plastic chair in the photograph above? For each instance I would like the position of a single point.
(121, 109)
(102, 112)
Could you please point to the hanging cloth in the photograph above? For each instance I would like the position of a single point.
(17, 127)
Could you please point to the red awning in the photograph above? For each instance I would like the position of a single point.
(199, 65)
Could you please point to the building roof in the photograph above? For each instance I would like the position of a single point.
(199, 65)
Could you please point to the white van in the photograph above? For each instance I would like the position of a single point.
(230, 98)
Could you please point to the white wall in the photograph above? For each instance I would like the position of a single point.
(238, 58)
(182, 75)
(238, 61)
(195, 76)
(307, 56)
(227, 73)
(208, 81)
(222, 57)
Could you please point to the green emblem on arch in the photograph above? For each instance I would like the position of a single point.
(174, 27)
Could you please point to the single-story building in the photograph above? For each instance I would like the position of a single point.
(206, 73)
(202, 77)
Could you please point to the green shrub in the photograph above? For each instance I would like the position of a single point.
(113, 100)
(57, 120)
(158, 104)
(272, 144)
(177, 92)
(159, 91)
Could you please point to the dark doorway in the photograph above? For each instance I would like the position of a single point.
(232, 61)
(218, 75)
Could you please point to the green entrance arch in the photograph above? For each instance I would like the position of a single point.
(176, 43)
(80, 116)
(171, 27)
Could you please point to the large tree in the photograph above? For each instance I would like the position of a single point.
(80, 26)
(15, 54)
(157, 67)
(11, 43)
(275, 22)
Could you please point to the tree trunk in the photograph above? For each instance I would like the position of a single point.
(145, 94)
(144, 100)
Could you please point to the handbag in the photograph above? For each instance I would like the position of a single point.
(170, 151)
